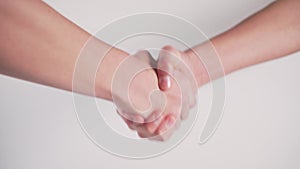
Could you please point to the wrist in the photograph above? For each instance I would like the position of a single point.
(106, 71)
(192, 59)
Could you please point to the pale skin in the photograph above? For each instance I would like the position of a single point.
(271, 33)
(40, 45)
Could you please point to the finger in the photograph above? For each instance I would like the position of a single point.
(149, 130)
(145, 57)
(165, 66)
(143, 132)
(137, 119)
(193, 100)
(134, 118)
(186, 97)
(178, 123)
(130, 123)
(166, 133)
(194, 93)
(154, 116)
(167, 124)
(152, 126)
(188, 93)
(184, 114)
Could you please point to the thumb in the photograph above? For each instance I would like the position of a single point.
(167, 60)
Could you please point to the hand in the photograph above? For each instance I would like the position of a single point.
(135, 89)
(155, 118)
(177, 64)
(180, 97)
(160, 124)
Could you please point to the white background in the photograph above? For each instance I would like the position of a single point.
(260, 127)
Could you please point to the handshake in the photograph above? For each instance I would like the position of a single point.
(153, 97)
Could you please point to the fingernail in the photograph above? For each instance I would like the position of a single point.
(165, 82)
(153, 125)
(170, 122)
(152, 117)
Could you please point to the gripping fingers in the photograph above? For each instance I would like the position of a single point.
(168, 59)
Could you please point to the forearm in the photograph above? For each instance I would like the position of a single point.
(40, 45)
(271, 33)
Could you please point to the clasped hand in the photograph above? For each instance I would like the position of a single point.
(153, 97)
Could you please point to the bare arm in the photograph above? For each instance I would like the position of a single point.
(40, 45)
(269, 34)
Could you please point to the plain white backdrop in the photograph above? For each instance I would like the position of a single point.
(260, 127)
